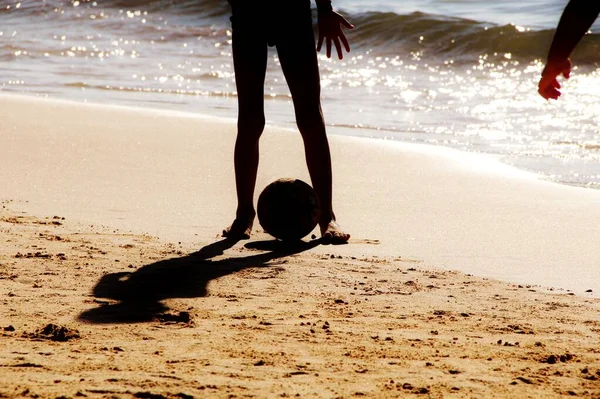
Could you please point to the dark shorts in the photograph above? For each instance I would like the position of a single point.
(270, 21)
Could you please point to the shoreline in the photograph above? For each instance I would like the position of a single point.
(491, 162)
(333, 130)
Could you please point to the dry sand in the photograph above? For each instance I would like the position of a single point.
(89, 311)
(114, 284)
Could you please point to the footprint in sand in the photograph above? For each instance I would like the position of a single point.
(364, 241)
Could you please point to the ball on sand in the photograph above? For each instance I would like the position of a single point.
(288, 209)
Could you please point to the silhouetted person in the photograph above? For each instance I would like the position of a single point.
(576, 20)
(287, 25)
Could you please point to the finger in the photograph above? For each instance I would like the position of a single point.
(338, 48)
(347, 24)
(543, 88)
(328, 43)
(548, 80)
(345, 42)
(544, 92)
(553, 94)
(549, 93)
(320, 44)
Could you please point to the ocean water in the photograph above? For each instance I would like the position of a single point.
(455, 73)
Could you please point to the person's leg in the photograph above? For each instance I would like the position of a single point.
(250, 64)
(298, 59)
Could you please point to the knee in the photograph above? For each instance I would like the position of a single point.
(250, 126)
(310, 120)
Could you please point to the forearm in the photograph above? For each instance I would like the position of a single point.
(576, 20)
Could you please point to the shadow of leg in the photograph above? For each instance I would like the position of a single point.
(139, 293)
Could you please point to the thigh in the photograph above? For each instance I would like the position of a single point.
(249, 50)
(296, 48)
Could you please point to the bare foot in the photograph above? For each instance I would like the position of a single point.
(331, 233)
(240, 229)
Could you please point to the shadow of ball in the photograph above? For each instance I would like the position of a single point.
(288, 209)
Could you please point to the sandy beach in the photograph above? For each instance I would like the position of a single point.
(464, 277)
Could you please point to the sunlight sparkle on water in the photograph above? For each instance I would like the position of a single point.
(480, 102)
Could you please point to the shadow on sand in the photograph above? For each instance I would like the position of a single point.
(139, 293)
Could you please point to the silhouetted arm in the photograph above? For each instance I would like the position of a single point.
(330, 28)
(576, 20)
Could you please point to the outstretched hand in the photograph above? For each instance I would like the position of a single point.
(549, 86)
(330, 30)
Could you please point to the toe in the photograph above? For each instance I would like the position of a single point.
(333, 234)
(339, 238)
(236, 231)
